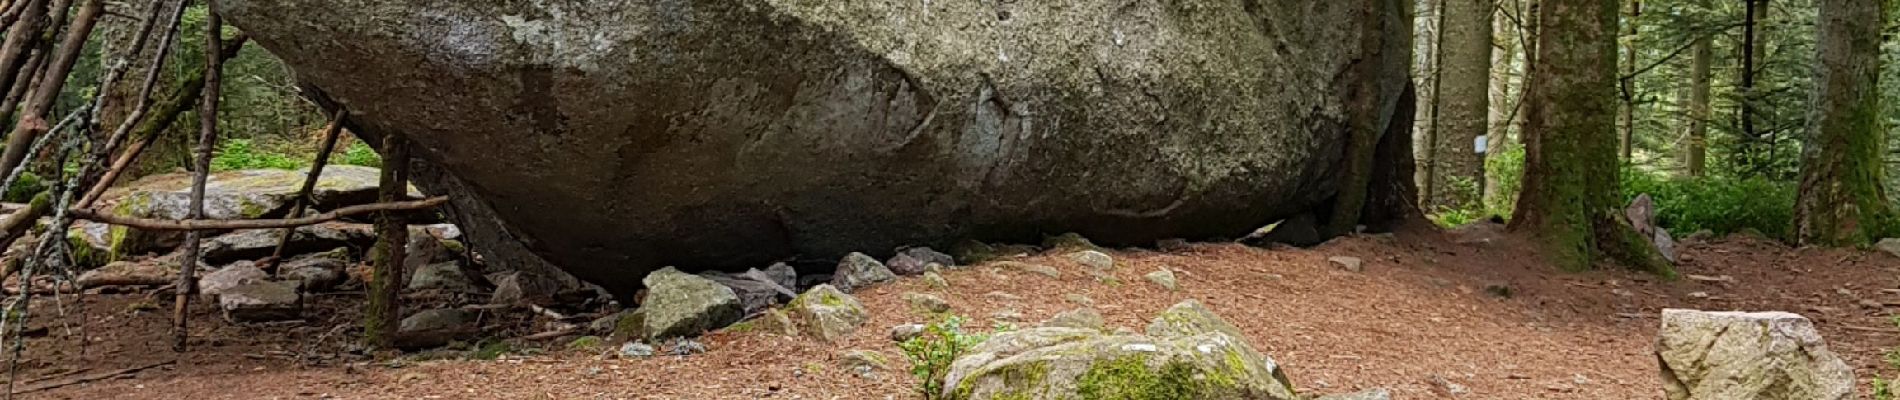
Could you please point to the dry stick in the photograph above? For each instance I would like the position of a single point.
(20, 34)
(181, 99)
(303, 199)
(198, 224)
(91, 378)
(381, 316)
(33, 124)
(207, 140)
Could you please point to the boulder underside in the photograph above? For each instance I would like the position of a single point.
(612, 138)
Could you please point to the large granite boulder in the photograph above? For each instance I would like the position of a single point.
(1734, 355)
(615, 137)
(245, 194)
(1195, 360)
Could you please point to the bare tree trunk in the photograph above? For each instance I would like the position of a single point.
(1695, 146)
(1841, 198)
(1751, 18)
(381, 319)
(1463, 103)
(33, 123)
(1431, 15)
(1628, 84)
(207, 141)
(1570, 203)
(20, 38)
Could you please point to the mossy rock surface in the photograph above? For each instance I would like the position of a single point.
(684, 305)
(244, 194)
(827, 314)
(1199, 360)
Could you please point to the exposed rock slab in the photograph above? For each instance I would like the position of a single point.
(1734, 355)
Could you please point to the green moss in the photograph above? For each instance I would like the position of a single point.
(83, 254)
(1069, 241)
(1130, 378)
(455, 246)
(491, 351)
(586, 343)
(631, 325)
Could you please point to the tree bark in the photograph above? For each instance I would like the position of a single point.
(1430, 35)
(1751, 17)
(382, 317)
(1463, 103)
(1841, 199)
(33, 122)
(20, 38)
(1695, 146)
(1627, 85)
(1571, 199)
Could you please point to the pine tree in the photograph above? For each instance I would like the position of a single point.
(1463, 101)
(1841, 199)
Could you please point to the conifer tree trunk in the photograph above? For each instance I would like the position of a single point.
(383, 315)
(1627, 85)
(1570, 203)
(1695, 146)
(1464, 103)
(1841, 200)
(1429, 40)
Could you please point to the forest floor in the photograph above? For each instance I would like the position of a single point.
(1467, 314)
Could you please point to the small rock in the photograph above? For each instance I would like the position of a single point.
(934, 268)
(1164, 278)
(826, 313)
(636, 350)
(755, 295)
(1891, 246)
(863, 363)
(905, 265)
(436, 327)
(916, 260)
(318, 272)
(1093, 259)
(1080, 318)
(130, 273)
(1172, 244)
(1079, 299)
(681, 305)
(507, 288)
(238, 273)
(775, 321)
(1353, 264)
(780, 273)
(261, 301)
(444, 276)
(1665, 244)
(1189, 318)
(935, 281)
(1068, 241)
(686, 347)
(858, 271)
(930, 256)
(1699, 295)
(926, 303)
(1038, 269)
(906, 332)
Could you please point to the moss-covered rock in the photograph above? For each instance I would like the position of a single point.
(826, 313)
(246, 194)
(1069, 363)
(682, 305)
(1189, 318)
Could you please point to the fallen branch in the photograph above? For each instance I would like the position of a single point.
(155, 224)
(90, 378)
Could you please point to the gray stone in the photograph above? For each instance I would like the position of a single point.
(1083, 318)
(507, 288)
(754, 295)
(926, 303)
(858, 271)
(255, 244)
(1086, 363)
(1164, 278)
(1734, 355)
(934, 280)
(775, 321)
(636, 350)
(906, 332)
(436, 327)
(827, 314)
(261, 301)
(1093, 259)
(780, 274)
(1189, 318)
(821, 127)
(1665, 244)
(445, 276)
(1353, 264)
(929, 256)
(1037, 269)
(863, 363)
(246, 194)
(130, 273)
(239, 273)
(685, 347)
(1891, 246)
(683, 305)
(318, 272)
(905, 265)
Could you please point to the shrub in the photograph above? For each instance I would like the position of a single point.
(24, 188)
(931, 353)
(1720, 205)
(239, 154)
(359, 154)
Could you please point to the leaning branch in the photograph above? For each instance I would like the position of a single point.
(154, 224)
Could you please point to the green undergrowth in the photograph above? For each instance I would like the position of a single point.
(243, 154)
(931, 353)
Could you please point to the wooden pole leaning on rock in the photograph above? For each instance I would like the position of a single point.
(303, 199)
(382, 316)
(200, 224)
(207, 140)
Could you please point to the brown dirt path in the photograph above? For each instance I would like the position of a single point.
(1426, 319)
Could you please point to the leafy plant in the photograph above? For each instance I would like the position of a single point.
(359, 154)
(1883, 389)
(1720, 205)
(931, 353)
(238, 154)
